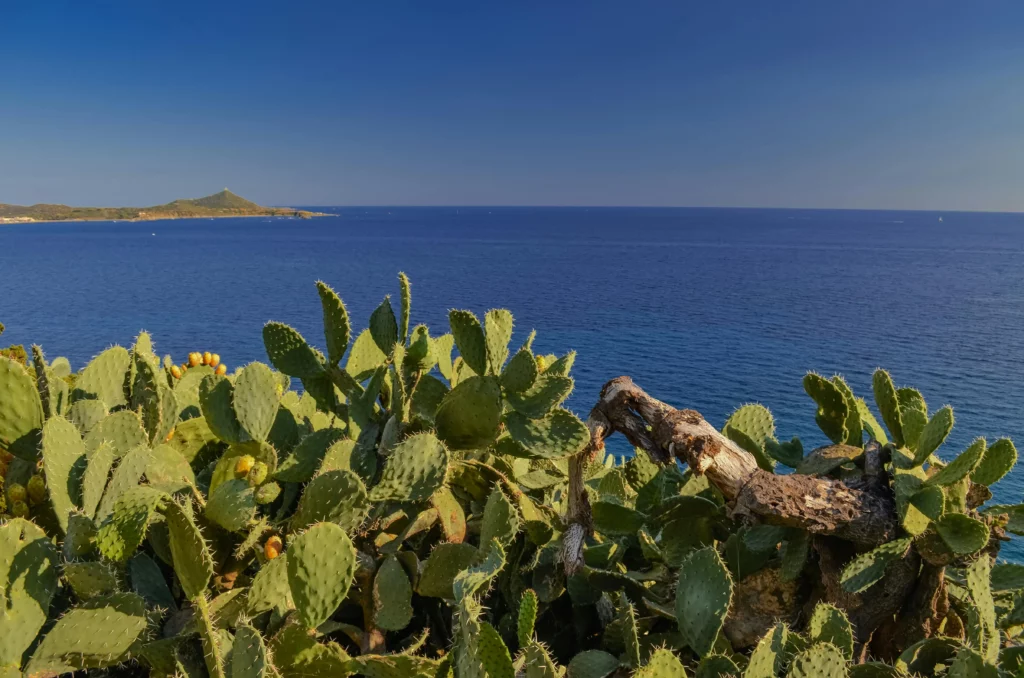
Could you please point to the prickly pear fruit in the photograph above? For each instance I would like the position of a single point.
(176, 372)
(214, 360)
(221, 370)
(207, 357)
(19, 509)
(16, 493)
(244, 464)
(267, 493)
(272, 549)
(257, 474)
(36, 489)
(194, 359)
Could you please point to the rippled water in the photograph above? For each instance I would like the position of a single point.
(704, 308)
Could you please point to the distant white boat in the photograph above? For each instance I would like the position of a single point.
(940, 218)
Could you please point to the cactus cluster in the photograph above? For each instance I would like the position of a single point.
(394, 504)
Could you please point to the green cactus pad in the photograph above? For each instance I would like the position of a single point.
(302, 463)
(539, 663)
(478, 576)
(868, 568)
(122, 429)
(255, 400)
(392, 596)
(963, 535)
(828, 624)
(216, 398)
(270, 588)
(819, 661)
(979, 586)
(147, 580)
(754, 420)
(186, 389)
(416, 468)
(996, 463)
(384, 327)
(337, 496)
(791, 454)
(833, 409)
(702, 599)
(592, 664)
(520, 373)
(868, 422)
(469, 416)
(290, 353)
(615, 519)
(961, 467)
(86, 414)
(933, 434)
(365, 357)
(28, 582)
(630, 634)
(21, 411)
(888, 404)
(90, 579)
(769, 655)
(498, 325)
(74, 643)
(248, 654)
(297, 653)
(63, 461)
(103, 378)
(337, 329)
(548, 392)
(193, 564)
(420, 355)
(321, 566)
(168, 471)
(557, 435)
(469, 338)
(493, 654)
(445, 562)
(663, 663)
(970, 664)
(500, 520)
(854, 427)
(80, 539)
(527, 618)
(232, 505)
(147, 395)
(122, 533)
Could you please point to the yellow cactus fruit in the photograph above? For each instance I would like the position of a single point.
(36, 489)
(194, 359)
(175, 371)
(272, 549)
(222, 369)
(244, 465)
(207, 357)
(214, 360)
(16, 493)
(541, 363)
(170, 435)
(19, 509)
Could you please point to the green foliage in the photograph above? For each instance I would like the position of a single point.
(407, 515)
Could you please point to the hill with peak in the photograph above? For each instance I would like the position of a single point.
(221, 204)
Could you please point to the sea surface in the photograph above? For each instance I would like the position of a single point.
(704, 308)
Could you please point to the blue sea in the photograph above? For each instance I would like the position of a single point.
(704, 308)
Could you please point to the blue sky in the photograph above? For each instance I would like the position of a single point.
(906, 105)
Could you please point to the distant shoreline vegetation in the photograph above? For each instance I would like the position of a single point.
(222, 204)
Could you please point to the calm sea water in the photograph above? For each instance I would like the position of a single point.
(704, 308)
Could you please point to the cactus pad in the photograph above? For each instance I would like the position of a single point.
(270, 589)
(384, 327)
(819, 661)
(557, 435)
(321, 566)
(86, 414)
(520, 373)
(961, 467)
(103, 378)
(828, 624)
(493, 654)
(337, 496)
(337, 328)
(216, 398)
(21, 411)
(888, 404)
(962, 534)
(193, 564)
(833, 409)
(74, 642)
(122, 533)
(255, 400)
(770, 654)
(592, 664)
(469, 338)
(290, 353)
(90, 579)
(498, 325)
(548, 392)
(933, 434)
(248, 654)
(445, 562)
(469, 416)
(869, 568)
(122, 429)
(63, 460)
(28, 582)
(415, 469)
(702, 599)
(302, 463)
(754, 420)
(500, 520)
(392, 596)
(663, 663)
(364, 357)
(996, 463)
(232, 505)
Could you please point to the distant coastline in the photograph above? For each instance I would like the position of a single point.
(219, 205)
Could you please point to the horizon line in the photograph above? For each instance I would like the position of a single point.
(656, 207)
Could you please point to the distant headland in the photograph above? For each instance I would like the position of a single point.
(223, 204)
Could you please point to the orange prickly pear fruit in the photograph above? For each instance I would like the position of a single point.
(170, 435)
(175, 371)
(244, 465)
(207, 357)
(194, 359)
(36, 489)
(222, 369)
(19, 509)
(214, 360)
(272, 549)
(16, 493)
(541, 363)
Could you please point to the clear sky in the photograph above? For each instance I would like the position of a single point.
(827, 103)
